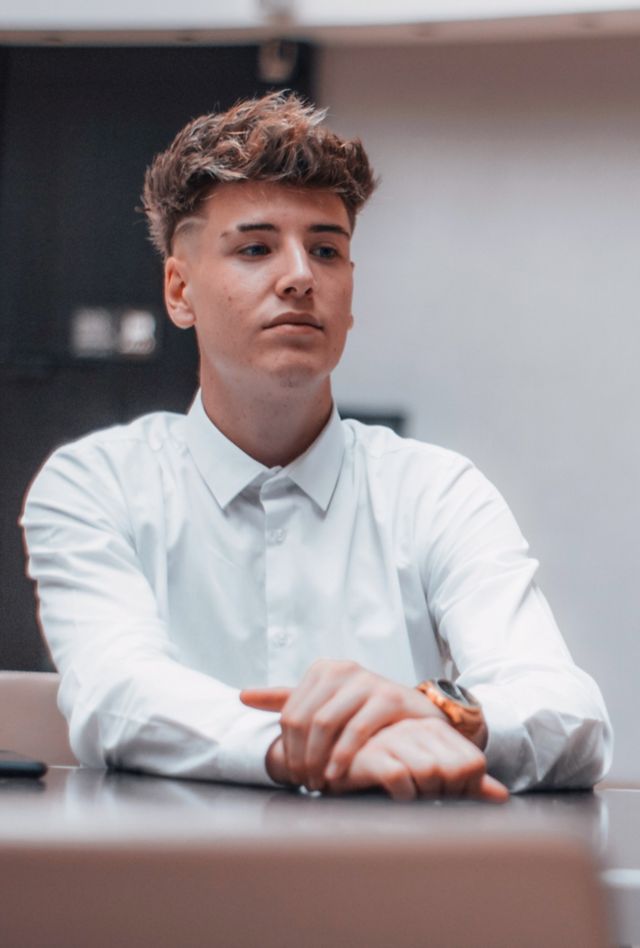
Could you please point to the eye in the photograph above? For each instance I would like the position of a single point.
(325, 252)
(254, 250)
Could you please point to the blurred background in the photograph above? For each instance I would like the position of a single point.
(498, 288)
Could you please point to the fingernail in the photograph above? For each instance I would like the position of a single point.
(331, 772)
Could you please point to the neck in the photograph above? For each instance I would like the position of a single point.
(272, 427)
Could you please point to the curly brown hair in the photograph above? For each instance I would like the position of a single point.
(276, 138)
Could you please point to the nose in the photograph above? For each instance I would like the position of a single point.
(296, 278)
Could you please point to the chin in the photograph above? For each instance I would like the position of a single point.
(296, 379)
(289, 378)
(298, 373)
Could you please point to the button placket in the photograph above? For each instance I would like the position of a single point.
(278, 508)
(277, 535)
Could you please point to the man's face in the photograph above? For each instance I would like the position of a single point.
(264, 274)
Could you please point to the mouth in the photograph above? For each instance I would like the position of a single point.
(295, 322)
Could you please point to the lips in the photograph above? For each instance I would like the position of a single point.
(307, 320)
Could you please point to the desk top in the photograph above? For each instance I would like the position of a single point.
(82, 809)
(95, 806)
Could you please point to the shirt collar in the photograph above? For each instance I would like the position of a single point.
(227, 470)
(316, 471)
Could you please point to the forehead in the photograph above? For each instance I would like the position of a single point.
(230, 204)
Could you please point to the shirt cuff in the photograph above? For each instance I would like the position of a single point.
(242, 753)
(507, 752)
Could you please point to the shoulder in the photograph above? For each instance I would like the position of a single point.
(422, 478)
(381, 447)
(145, 435)
(118, 456)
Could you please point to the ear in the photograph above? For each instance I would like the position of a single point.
(351, 320)
(176, 293)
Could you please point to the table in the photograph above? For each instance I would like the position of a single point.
(77, 810)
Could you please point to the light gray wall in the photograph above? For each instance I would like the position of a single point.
(498, 290)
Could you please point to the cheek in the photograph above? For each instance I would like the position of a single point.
(346, 297)
(217, 306)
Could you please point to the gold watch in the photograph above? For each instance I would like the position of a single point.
(458, 704)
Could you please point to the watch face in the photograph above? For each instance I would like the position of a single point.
(451, 690)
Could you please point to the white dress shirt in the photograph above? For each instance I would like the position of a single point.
(173, 569)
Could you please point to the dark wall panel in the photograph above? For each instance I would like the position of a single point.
(77, 129)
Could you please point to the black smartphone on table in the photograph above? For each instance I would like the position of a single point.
(13, 764)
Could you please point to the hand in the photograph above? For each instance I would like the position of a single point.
(420, 758)
(332, 714)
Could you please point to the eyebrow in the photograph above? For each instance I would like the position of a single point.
(329, 229)
(314, 228)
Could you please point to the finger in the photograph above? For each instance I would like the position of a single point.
(395, 778)
(321, 680)
(375, 766)
(406, 742)
(439, 760)
(265, 699)
(482, 786)
(330, 693)
(459, 763)
(492, 790)
(378, 712)
(326, 725)
(298, 714)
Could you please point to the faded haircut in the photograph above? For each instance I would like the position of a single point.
(277, 138)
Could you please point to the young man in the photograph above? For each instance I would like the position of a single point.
(331, 570)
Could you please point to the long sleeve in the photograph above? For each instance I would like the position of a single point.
(548, 726)
(129, 700)
(172, 569)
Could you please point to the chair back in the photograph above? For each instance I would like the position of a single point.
(30, 722)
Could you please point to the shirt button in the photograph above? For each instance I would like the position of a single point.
(280, 638)
(277, 536)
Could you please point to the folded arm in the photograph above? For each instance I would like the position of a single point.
(345, 728)
(129, 701)
(546, 719)
(546, 724)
